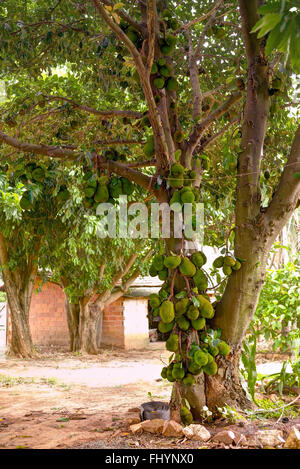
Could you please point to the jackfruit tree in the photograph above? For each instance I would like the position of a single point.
(204, 109)
(93, 273)
(30, 202)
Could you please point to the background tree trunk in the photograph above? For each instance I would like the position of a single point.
(73, 314)
(21, 342)
(87, 328)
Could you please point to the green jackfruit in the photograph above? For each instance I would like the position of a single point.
(102, 194)
(228, 260)
(158, 262)
(38, 174)
(161, 62)
(163, 274)
(176, 169)
(115, 188)
(166, 311)
(178, 372)
(165, 327)
(193, 312)
(210, 358)
(181, 306)
(173, 24)
(186, 416)
(149, 147)
(200, 280)
(194, 368)
(206, 309)
(63, 194)
(183, 323)
(188, 197)
(132, 35)
(237, 265)
(227, 270)
(163, 293)
(218, 262)
(166, 49)
(163, 373)
(170, 375)
(176, 198)
(167, 14)
(165, 71)
(154, 300)
(154, 69)
(197, 259)
(198, 324)
(127, 186)
(213, 350)
(200, 358)
(103, 180)
(211, 368)
(224, 348)
(172, 343)
(152, 271)
(89, 192)
(187, 268)
(175, 182)
(159, 82)
(189, 380)
(171, 262)
(25, 203)
(171, 84)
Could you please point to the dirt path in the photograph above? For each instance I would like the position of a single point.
(62, 399)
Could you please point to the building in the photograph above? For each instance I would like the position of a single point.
(125, 322)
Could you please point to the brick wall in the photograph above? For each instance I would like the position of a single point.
(48, 320)
(47, 316)
(113, 324)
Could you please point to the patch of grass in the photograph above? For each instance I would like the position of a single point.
(7, 381)
(273, 410)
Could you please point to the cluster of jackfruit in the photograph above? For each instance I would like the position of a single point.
(227, 263)
(181, 178)
(104, 189)
(200, 358)
(188, 267)
(183, 307)
(169, 20)
(163, 75)
(132, 33)
(37, 174)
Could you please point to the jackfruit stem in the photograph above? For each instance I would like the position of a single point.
(172, 285)
(179, 342)
(188, 287)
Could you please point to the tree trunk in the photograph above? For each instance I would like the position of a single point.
(87, 328)
(73, 314)
(21, 342)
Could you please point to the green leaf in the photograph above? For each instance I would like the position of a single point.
(266, 24)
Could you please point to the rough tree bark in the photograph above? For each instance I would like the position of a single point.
(19, 284)
(73, 313)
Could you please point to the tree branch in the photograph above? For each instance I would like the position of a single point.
(105, 113)
(144, 78)
(287, 194)
(151, 25)
(125, 17)
(200, 128)
(146, 182)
